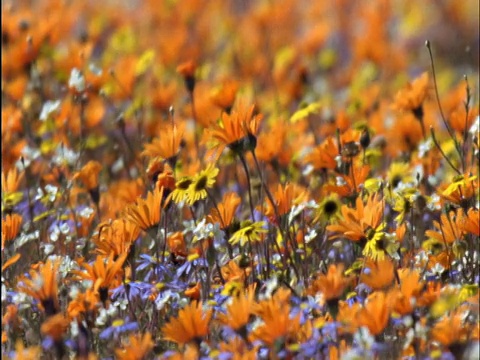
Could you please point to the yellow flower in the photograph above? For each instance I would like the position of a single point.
(249, 231)
(197, 190)
(181, 190)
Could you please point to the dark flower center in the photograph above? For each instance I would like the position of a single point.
(330, 208)
(184, 184)
(201, 183)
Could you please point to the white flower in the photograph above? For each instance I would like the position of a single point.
(86, 212)
(24, 238)
(74, 328)
(76, 80)
(424, 147)
(297, 209)
(4, 292)
(204, 231)
(95, 69)
(102, 317)
(51, 191)
(48, 108)
(308, 170)
(340, 181)
(29, 154)
(364, 338)
(64, 155)
(475, 128)
(73, 293)
(47, 248)
(312, 234)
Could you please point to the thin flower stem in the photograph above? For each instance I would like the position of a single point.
(247, 173)
(450, 131)
(222, 222)
(277, 216)
(441, 151)
(194, 115)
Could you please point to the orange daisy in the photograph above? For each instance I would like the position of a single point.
(191, 325)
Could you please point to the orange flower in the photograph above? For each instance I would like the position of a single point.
(84, 305)
(191, 324)
(323, 156)
(277, 322)
(413, 95)
(375, 313)
(88, 175)
(193, 292)
(449, 230)
(451, 329)
(278, 152)
(356, 222)
(226, 210)
(461, 189)
(430, 294)
(378, 274)
(285, 197)
(10, 227)
(137, 348)
(224, 97)
(105, 274)
(404, 299)
(146, 214)
(55, 326)
(232, 272)
(331, 285)
(43, 286)
(239, 310)
(346, 316)
(115, 237)
(187, 70)
(167, 145)
(176, 244)
(471, 222)
(238, 349)
(237, 130)
(11, 182)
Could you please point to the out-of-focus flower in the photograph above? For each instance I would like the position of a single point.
(43, 286)
(88, 175)
(224, 96)
(187, 70)
(332, 285)
(191, 325)
(378, 274)
(356, 222)
(237, 130)
(277, 322)
(104, 273)
(375, 313)
(137, 347)
(413, 95)
(10, 186)
(167, 146)
(55, 326)
(10, 228)
(239, 309)
(115, 237)
(285, 198)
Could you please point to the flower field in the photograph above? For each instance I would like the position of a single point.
(240, 179)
